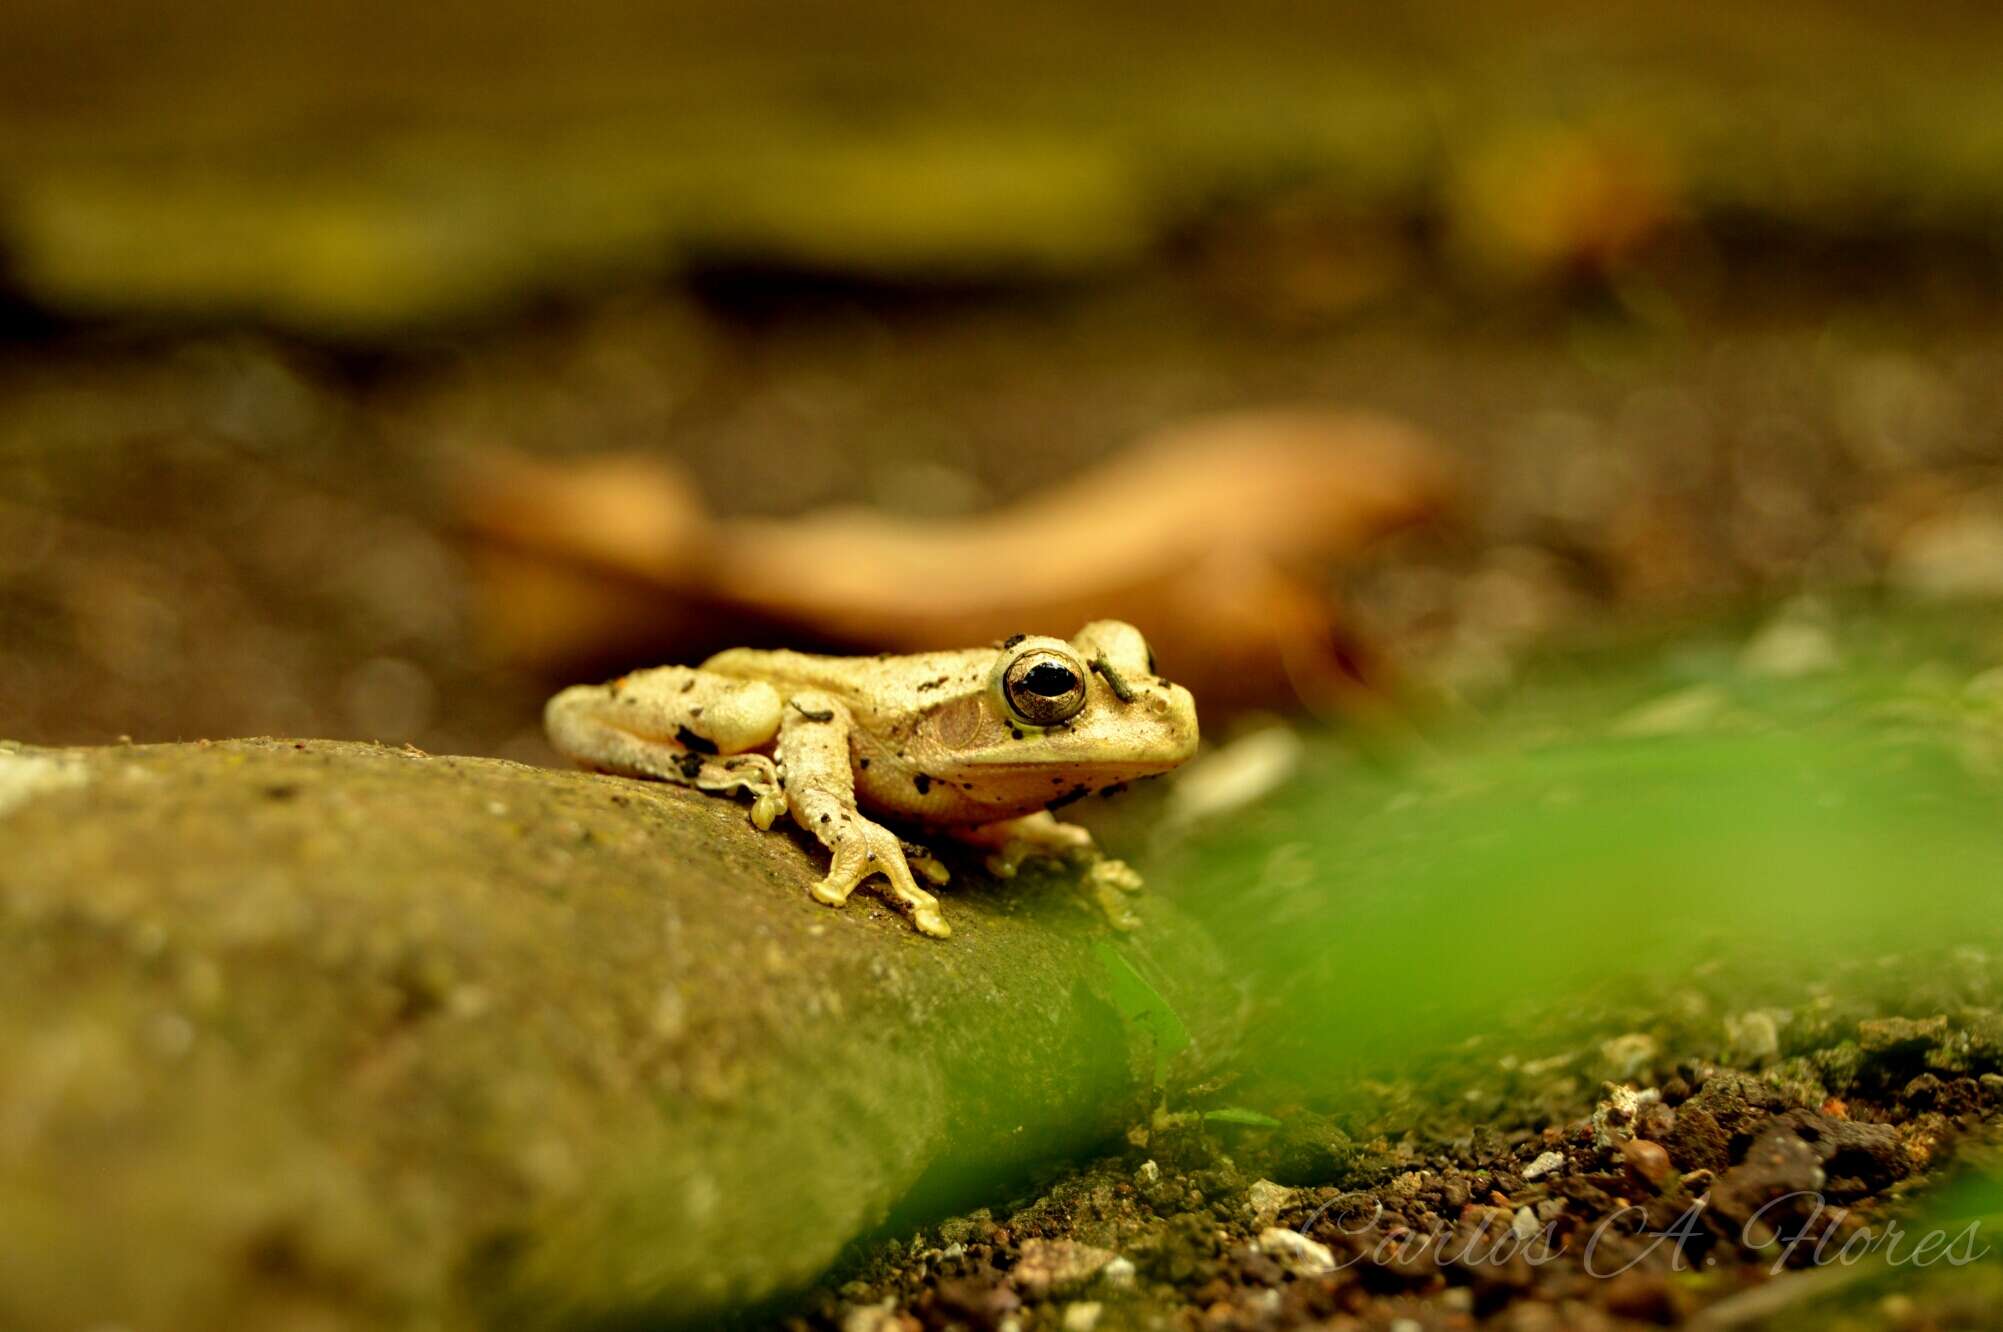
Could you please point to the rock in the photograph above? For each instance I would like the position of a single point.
(1648, 1160)
(1614, 1118)
(1778, 1165)
(1630, 1055)
(1296, 1252)
(1310, 1149)
(1267, 1198)
(1643, 1296)
(982, 1301)
(881, 1317)
(1738, 1102)
(1082, 1316)
(1883, 1037)
(1545, 1164)
(1047, 1267)
(1752, 1038)
(336, 1034)
(1697, 1141)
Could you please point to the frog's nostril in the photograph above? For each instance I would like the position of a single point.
(1158, 704)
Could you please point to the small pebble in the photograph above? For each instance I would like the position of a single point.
(1267, 1198)
(1544, 1165)
(1052, 1267)
(1296, 1252)
(1082, 1316)
(1646, 1159)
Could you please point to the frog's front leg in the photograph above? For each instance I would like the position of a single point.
(820, 790)
(1012, 841)
(675, 724)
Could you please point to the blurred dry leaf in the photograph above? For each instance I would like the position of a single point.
(1215, 537)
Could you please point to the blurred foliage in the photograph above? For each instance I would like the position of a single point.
(360, 166)
(1625, 832)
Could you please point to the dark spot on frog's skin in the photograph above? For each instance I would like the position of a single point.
(1109, 791)
(862, 763)
(1012, 640)
(922, 782)
(695, 712)
(688, 684)
(282, 791)
(931, 684)
(1075, 793)
(1014, 734)
(824, 818)
(688, 739)
(825, 714)
(691, 765)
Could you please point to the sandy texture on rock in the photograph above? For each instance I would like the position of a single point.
(327, 1035)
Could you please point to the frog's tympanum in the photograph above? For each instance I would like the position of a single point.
(980, 744)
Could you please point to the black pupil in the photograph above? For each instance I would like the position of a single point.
(1049, 680)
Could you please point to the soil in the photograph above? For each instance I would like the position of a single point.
(1700, 1201)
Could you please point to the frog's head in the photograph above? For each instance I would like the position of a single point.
(1057, 720)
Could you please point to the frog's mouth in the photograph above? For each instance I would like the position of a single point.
(1094, 773)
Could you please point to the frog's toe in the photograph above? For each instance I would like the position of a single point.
(851, 866)
(900, 887)
(1108, 890)
(1113, 874)
(927, 920)
(926, 865)
(765, 808)
(831, 893)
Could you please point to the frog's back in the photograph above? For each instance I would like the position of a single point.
(870, 685)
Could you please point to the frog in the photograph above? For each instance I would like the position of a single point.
(981, 745)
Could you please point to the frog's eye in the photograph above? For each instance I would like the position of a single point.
(1043, 687)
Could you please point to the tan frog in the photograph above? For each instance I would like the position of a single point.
(980, 744)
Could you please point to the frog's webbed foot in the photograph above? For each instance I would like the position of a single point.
(861, 849)
(819, 789)
(1012, 842)
(1107, 881)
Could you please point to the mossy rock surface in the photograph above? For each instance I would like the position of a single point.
(332, 1035)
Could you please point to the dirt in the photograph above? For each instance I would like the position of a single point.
(1688, 1194)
